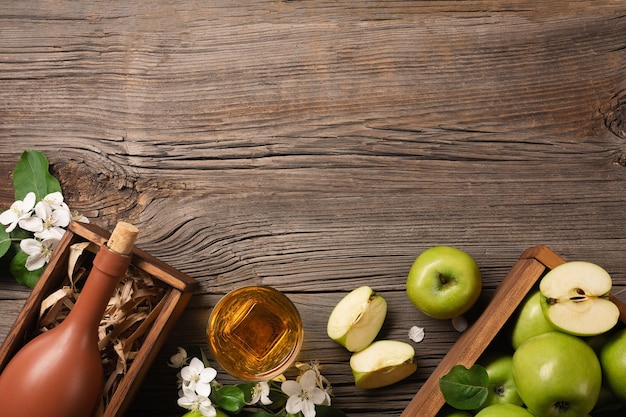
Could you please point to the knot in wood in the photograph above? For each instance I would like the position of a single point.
(615, 117)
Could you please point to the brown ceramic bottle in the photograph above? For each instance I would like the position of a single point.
(59, 373)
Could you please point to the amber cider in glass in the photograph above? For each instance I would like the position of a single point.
(255, 333)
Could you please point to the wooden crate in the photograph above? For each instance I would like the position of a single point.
(177, 291)
(531, 266)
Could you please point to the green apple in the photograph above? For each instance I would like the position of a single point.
(613, 360)
(357, 318)
(444, 282)
(504, 410)
(529, 320)
(382, 363)
(502, 389)
(575, 298)
(557, 375)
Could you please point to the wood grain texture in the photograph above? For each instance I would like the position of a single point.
(318, 146)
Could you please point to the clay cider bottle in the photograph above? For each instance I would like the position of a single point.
(59, 373)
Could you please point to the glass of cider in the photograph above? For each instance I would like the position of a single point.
(255, 333)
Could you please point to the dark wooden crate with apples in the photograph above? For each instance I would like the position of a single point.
(532, 265)
(174, 292)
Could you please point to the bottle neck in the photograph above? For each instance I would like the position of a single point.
(108, 269)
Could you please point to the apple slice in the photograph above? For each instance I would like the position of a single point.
(575, 299)
(382, 363)
(357, 318)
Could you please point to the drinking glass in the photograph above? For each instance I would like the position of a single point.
(255, 333)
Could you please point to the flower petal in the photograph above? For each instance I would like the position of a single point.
(196, 364)
(32, 224)
(9, 216)
(308, 408)
(291, 388)
(54, 199)
(294, 404)
(188, 399)
(207, 375)
(203, 389)
(177, 360)
(31, 246)
(317, 395)
(43, 210)
(34, 262)
(50, 233)
(29, 201)
(327, 399)
(207, 409)
(308, 380)
(61, 218)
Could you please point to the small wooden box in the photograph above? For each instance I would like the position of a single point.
(530, 267)
(177, 289)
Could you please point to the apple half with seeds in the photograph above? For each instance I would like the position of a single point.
(357, 318)
(575, 299)
(382, 363)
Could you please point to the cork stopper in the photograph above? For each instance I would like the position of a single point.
(123, 238)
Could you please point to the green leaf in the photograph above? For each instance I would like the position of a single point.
(32, 174)
(278, 397)
(465, 389)
(230, 398)
(246, 388)
(328, 411)
(5, 241)
(22, 275)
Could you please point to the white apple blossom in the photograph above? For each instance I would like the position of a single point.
(179, 359)
(261, 392)
(320, 380)
(39, 251)
(19, 210)
(303, 394)
(193, 401)
(198, 378)
(50, 219)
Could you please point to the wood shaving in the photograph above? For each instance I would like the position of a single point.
(135, 304)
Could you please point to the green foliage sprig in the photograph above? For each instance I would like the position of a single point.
(36, 221)
(465, 388)
(309, 395)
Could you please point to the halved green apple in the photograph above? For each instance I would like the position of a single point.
(357, 318)
(382, 363)
(575, 298)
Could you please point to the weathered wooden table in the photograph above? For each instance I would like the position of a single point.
(316, 146)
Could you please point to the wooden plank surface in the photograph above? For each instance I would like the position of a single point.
(316, 146)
